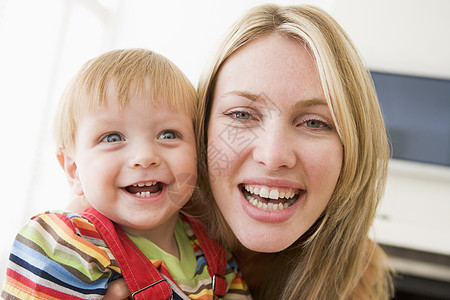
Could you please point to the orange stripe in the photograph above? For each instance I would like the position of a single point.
(86, 228)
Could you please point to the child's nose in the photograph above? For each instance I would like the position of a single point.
(145, 156)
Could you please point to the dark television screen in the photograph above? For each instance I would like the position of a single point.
(417, 115)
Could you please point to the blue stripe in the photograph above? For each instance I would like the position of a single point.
(44, 275)
(201, 260)
(44, 267)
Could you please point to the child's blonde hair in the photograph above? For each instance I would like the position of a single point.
(131, 72)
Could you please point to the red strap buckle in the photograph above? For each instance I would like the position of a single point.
(219, 285)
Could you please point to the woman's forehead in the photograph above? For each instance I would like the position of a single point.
(271, 67)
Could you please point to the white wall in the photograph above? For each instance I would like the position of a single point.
(403, 36)
(44, 42)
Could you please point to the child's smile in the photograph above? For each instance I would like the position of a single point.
(146, 189)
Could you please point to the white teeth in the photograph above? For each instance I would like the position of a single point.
(273, 193)
(269, 193)
(143, 194)
(141, 184)
(268, 206)
(264, 192)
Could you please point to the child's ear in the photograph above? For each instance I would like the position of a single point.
(69, 166)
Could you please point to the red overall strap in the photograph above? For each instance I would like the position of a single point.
(215, 255)
(143, 279)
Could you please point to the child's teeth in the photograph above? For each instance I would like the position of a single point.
(143, 194)
(142, 184)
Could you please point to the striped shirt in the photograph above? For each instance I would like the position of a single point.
(61, 255)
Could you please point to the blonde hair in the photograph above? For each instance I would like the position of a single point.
(141, 71)
(335, 259)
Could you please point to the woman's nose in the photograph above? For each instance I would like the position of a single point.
(144, 155)
(274, 149)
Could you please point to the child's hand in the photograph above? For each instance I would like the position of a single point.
(117, 289)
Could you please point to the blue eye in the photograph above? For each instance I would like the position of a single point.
(112, 138)
(242, 115)
(316, 124)
(239, 115)
(168, 135)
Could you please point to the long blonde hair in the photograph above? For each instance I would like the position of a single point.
(335, 259)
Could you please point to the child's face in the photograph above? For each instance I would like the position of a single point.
(136, 164)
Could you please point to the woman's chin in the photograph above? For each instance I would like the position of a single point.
(266, 245)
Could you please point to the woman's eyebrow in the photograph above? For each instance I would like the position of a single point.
(263, 98)
(310, 102)
(250, 96)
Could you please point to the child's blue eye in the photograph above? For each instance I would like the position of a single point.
(112, 138)
(168, 135)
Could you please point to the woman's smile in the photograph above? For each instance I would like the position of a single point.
(271, 199)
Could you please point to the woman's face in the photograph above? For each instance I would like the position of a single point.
(274, 156)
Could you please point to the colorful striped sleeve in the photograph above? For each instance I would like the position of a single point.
(58, 256)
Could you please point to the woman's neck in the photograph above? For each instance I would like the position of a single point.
(255, 267)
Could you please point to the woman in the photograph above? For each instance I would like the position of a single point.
(294, 154)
